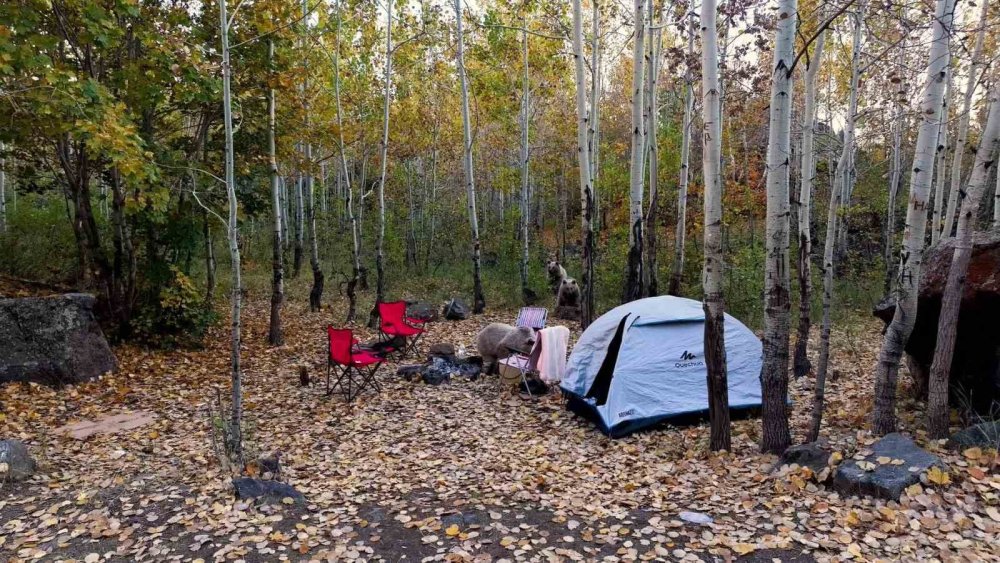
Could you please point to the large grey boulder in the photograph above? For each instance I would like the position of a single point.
(16, 463)
(984, 435)
(52, 340)
(885, 480)
(975, 368)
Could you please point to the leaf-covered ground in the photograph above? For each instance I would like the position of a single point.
(460, 471)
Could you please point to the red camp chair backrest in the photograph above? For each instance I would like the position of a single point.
(341, 341)
(392, 313)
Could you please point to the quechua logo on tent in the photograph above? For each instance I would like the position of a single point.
(686, 360)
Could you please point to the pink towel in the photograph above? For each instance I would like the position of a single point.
(549, 353)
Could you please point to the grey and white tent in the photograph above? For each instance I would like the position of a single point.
(644, 362)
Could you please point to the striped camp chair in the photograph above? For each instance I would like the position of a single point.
(532, 317)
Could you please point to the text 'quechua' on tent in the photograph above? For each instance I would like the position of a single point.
(644, 362)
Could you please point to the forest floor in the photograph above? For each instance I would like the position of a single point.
(452, 472)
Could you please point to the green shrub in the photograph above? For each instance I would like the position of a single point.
(179, 317)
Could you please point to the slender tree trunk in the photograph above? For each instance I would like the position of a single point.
(951, 301)
(896, 168)
(774, 373)
(963, 123)
(912, 255)
(299, 250)
(595, 103)
(634, 274)
(209, 259)
(316, 293)
(275, 336)
(841, 176)
(525, 290)
(677, 271)
(715, 342)
(942, 162)
(807, 173)
(651, 282)
(411, 233)
(996, 205)
(373, 317)
(352, 283)
(478, 298)
(3, 192)
(584, 163)
(236, 421)
(432, 219)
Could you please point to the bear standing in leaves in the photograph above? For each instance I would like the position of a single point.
(499, 340)
(556, 275)
(569, 293)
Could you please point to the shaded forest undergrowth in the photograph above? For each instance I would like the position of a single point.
(385, 476)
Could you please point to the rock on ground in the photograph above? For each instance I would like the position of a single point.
(813, 455)
(16, 464)
(455, 310)
(270, 491)
(983, 435)
(52, 340)
(975, 370)
(885, 480)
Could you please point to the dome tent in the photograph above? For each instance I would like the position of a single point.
(644, 362)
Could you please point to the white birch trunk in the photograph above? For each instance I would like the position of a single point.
(525, 290)
(595, 103)
(896, 167)
(634, 275)
(316, 293)
(912, 255)
(677, 271)
(650, 280)
(937, 404)
(942, 161)
(841, 177)
(478, 298)
(349, 189)
(275, 334)
(715, 346)
(3, 192)
(806, 174)
(236, 419)
(584, 166)
(963, 123)
(380, 239)
(774, 372)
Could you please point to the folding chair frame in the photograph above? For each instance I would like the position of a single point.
(346, 377)
(409, 342)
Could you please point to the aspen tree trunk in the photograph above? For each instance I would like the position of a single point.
(807, 173)
(937, 403)
(634, 274)
(316, 293)
(299, 250)
(274, 335)
(963, 123)
(3, 192)
(896, 169)
(411, 234)
(209, 260)
(525, 290)
(236, 420)
(595, 102)
(650, 281)
(841, 176)
(996, 205)
(373, 317)
(912, 255)
(677, 271)
(584, 166)
(715, 343)
(352, 284)
(774, 372)
(942, 161)
(478, 298)
(433, 205)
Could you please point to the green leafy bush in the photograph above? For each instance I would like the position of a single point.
(179, 317)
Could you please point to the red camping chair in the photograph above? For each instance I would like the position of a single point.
(394, 323)
(359, 366)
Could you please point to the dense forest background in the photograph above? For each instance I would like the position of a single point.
(113, 146)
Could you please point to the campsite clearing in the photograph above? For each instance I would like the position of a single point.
(386, 475)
